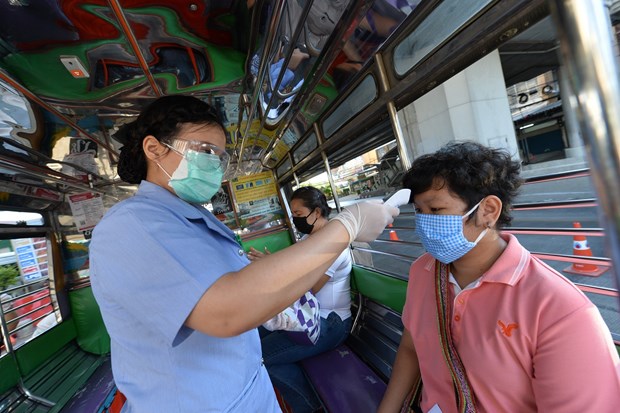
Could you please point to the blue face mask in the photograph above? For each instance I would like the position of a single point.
(442, 235)
(197, 178)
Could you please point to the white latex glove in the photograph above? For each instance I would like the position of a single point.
(365, 221)
(282, 321)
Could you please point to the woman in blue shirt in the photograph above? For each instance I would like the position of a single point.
(179, 300)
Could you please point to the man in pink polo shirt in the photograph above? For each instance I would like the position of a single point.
(488, 327)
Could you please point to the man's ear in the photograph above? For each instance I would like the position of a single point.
(489, 211)
(153, 149)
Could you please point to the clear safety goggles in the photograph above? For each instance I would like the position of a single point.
(181, 146)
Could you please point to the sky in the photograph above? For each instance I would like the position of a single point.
(11, 217)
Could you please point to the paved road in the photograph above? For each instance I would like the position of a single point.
(562, 190)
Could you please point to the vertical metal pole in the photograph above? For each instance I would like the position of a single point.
(405, 157)
(4, 328)
(585, 34)
(263, 67)
(332, 184)
(11, 351)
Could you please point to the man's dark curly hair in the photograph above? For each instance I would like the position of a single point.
(471, 171)
(162, 119)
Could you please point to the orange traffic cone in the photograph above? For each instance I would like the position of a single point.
(393, 235)
(581, 249)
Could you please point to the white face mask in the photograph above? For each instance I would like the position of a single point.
(442, 235)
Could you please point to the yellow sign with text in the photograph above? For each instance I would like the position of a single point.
(254, 187)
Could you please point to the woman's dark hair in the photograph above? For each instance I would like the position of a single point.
(471, 171)
(163, 118)
(312, 198)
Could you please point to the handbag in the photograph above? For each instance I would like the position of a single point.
(465, 399)
(301, 320)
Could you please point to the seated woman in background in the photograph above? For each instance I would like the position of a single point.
(280, 353)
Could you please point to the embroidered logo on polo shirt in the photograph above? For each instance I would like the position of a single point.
(507, 329)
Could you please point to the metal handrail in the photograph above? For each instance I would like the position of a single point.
(399, 242)
(353, 13)
(403, 257)
(21, 386)
(51, 160)
(21, 287)
(117, 9)
(33, 97)
(576, 173)
(586, 39)
(275, 91)
(595, 232)
(19, 166)
(610, 292)
(576, 259)
(31, 322)
(30, 302)
(578, 203)
(262, 69)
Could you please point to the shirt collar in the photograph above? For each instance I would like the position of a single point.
(457, 287)
(509, 268)
(503, 269)
(190, 211)
(153, 191)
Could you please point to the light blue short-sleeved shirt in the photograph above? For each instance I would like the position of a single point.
(152, 257)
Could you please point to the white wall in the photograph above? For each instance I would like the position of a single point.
(472, 105)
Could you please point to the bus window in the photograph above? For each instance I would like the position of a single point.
(362, 95)
(29, 305)
(442, 23)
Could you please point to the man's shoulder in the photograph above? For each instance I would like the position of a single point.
(424, 264)
(422, 272)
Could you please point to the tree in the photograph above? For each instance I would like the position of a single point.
(327, 190)
(8, 275)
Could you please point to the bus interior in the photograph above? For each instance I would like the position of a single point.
(306, 89)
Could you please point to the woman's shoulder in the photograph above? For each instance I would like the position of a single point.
(136, 205)
(134, 213)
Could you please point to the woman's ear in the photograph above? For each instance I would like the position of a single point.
(318, 211)
(153, 149)
(489, 211)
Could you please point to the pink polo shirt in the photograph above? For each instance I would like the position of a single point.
(528, 338)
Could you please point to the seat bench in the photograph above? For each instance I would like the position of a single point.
(352, 377)
(67, 365)
(67, 374)
(95, 394)
(343, 382)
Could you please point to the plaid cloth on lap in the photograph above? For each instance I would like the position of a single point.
(302, 320)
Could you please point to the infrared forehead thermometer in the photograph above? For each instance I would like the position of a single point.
(401, 197)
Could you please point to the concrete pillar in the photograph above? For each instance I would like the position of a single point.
(571, 130)
(472, 105)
